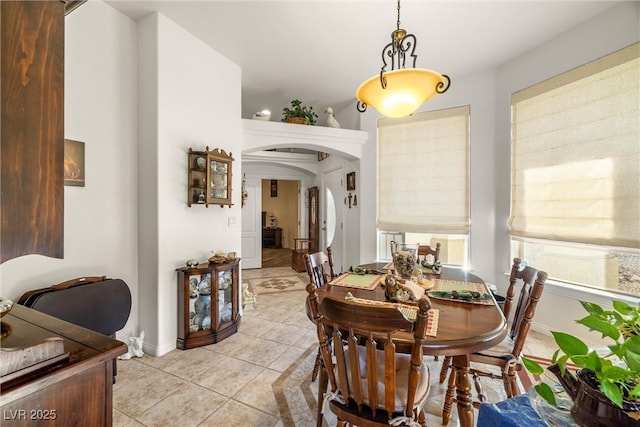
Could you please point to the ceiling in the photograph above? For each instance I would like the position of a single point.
(320, 51)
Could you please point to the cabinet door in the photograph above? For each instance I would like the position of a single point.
(219, 170)
(226, 294)
(199, 303)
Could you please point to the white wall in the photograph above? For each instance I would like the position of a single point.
(100, 219)
(190, 98)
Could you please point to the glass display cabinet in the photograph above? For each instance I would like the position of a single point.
(209, 177)
(207, 303)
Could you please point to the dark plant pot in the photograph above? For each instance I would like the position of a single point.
(591, 408)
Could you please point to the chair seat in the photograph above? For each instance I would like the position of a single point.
(500, 350)
(403, 366)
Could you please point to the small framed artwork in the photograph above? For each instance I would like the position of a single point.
(274, 188)
(351, 181)
(73, 163)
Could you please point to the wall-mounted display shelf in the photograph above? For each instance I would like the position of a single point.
(209, 178)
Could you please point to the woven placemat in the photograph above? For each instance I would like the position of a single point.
(409, 311)
(358, 281)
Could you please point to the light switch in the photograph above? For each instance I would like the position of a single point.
(231, 221)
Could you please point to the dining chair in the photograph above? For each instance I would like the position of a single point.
(505, 355)
(375, 378)
(424, 250)
(320, 270)
(320, 267)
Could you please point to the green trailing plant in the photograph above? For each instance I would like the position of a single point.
(618, 371)
(299, 110)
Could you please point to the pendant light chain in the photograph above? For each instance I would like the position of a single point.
(398, 26)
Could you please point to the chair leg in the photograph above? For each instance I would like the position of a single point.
(478, 385)
(446, 364)
(448, 399)
(316, 367)
(323, 382)
(509, 376)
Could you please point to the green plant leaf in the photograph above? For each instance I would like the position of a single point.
(595, 323)
(532, 366)
(622, 307)
(569, 344)
(614, 373)
(612, 392)
(635, 391)
(545, 391)
(592, 308)
(632, 360)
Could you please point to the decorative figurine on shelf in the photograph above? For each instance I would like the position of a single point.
(201, 197)
(273, 220)
(192, 263)
(331, 120)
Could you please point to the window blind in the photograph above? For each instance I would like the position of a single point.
(576, 155)
(423, 172)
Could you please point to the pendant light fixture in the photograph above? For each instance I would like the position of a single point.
(401, 91)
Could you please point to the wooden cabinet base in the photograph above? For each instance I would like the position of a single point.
(209, 337)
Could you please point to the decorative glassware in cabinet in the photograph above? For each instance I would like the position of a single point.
(225, 281)
(200, 302)
(219, 188)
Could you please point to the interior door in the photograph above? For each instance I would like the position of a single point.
(314, 218)
(332, 223)
(252, 224)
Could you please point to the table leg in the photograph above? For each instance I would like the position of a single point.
(463, 390)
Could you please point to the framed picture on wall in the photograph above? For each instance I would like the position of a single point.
(274, 188)
(351, 181)
(73, 163)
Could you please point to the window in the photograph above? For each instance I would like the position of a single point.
(423, 181)
(575, 194)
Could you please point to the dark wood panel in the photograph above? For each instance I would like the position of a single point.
(32, 129)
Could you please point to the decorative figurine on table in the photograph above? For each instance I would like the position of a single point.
(437, 267)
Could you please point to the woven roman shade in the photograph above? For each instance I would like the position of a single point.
(423, 172)
(576, 155)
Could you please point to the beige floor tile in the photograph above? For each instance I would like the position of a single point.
(283, 362)
(258, 393)
(122, 420)
(189, 364)
(261, 352)
(285, 333)
(235, 413)
(254, 326)
(230, 376)
(186, 406)
(136, 397)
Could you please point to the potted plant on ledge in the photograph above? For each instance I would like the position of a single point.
(606, 388)
(299, 114)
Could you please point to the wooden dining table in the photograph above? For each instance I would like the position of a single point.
(463, 328)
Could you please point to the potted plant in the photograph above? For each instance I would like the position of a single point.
(299, 113)
(606, 389)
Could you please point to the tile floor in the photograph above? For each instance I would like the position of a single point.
(228, 383)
